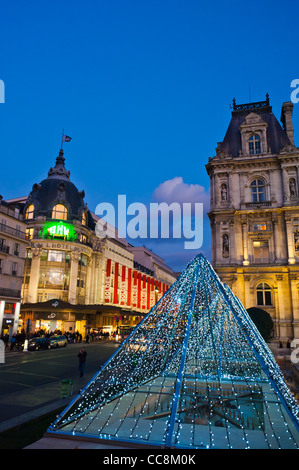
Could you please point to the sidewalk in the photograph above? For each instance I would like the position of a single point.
(43, 399)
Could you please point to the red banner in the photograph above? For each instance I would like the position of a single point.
(153, 294)
(139, 291)
(123, 286)
(115, 296)
(143, 292)
(129, 286)
(108, 281)
(148, 303)
(134, 289)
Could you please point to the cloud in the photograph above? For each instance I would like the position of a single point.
(175, 190)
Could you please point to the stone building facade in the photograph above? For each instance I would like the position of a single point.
(12, 258)
(73, 280)
(254, 212)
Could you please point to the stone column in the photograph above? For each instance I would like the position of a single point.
(295, 304)
(98, 283)
(279, 307)
(2, 305)
(218, 247)
(245, 242)
(72, 297)
(34, 273)
(290, 241)
(247, 291)
(16, 318)
(88, 282)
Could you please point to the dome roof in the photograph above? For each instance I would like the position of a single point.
(58, 189)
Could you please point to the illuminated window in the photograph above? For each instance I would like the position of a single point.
(83, 239)
(263, 294)
(254, 145)
(29, 213)
(259, 227)
(59, 212)
(257, 189)
(261, 251)
(84, 218)
(29, 233)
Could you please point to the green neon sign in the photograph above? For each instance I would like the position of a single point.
(59, 230)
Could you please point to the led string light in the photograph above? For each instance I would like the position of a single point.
(230, 385)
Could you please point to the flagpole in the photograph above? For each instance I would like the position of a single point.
(62, 138)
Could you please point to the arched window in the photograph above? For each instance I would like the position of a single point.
(84, 218)
(263, 294)
(254, 144)
(59, 212)
(29, 213)
(257, 188)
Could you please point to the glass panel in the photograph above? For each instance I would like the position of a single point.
(58, 256)
(268, 300)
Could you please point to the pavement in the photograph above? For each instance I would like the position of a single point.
(43, 400)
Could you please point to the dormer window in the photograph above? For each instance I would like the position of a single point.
(254, 142)
(59, 212)
(253, 135)
(29, 213)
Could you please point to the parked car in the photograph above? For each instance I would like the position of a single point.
(58, 340)
(38, 343)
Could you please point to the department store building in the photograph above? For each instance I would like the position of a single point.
(73, 280)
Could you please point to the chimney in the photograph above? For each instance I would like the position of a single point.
(287, 120)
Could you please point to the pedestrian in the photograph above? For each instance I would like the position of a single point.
(82, 360)
(12, 342)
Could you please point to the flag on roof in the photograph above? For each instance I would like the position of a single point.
(66, 138)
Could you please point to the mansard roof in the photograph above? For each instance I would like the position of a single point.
(58, 189)
(277, 137)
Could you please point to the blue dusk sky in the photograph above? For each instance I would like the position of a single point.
(144, 89)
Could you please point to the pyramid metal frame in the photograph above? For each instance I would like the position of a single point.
(189, 335)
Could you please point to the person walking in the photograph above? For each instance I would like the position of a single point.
(82, 360)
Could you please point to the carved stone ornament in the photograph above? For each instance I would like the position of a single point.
(36, 249)
(75, 254)
(98, 244)
(96, 260)
(61, 187)
(36, 187)
(253, 118)
(289, 148)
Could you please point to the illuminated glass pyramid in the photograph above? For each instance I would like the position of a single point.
(195, 373)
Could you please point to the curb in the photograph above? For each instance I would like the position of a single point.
(34, 414)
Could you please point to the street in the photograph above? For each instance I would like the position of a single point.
(32, 379)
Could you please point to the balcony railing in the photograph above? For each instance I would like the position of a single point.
(12, 231)
(258, 204)
(10, 293)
